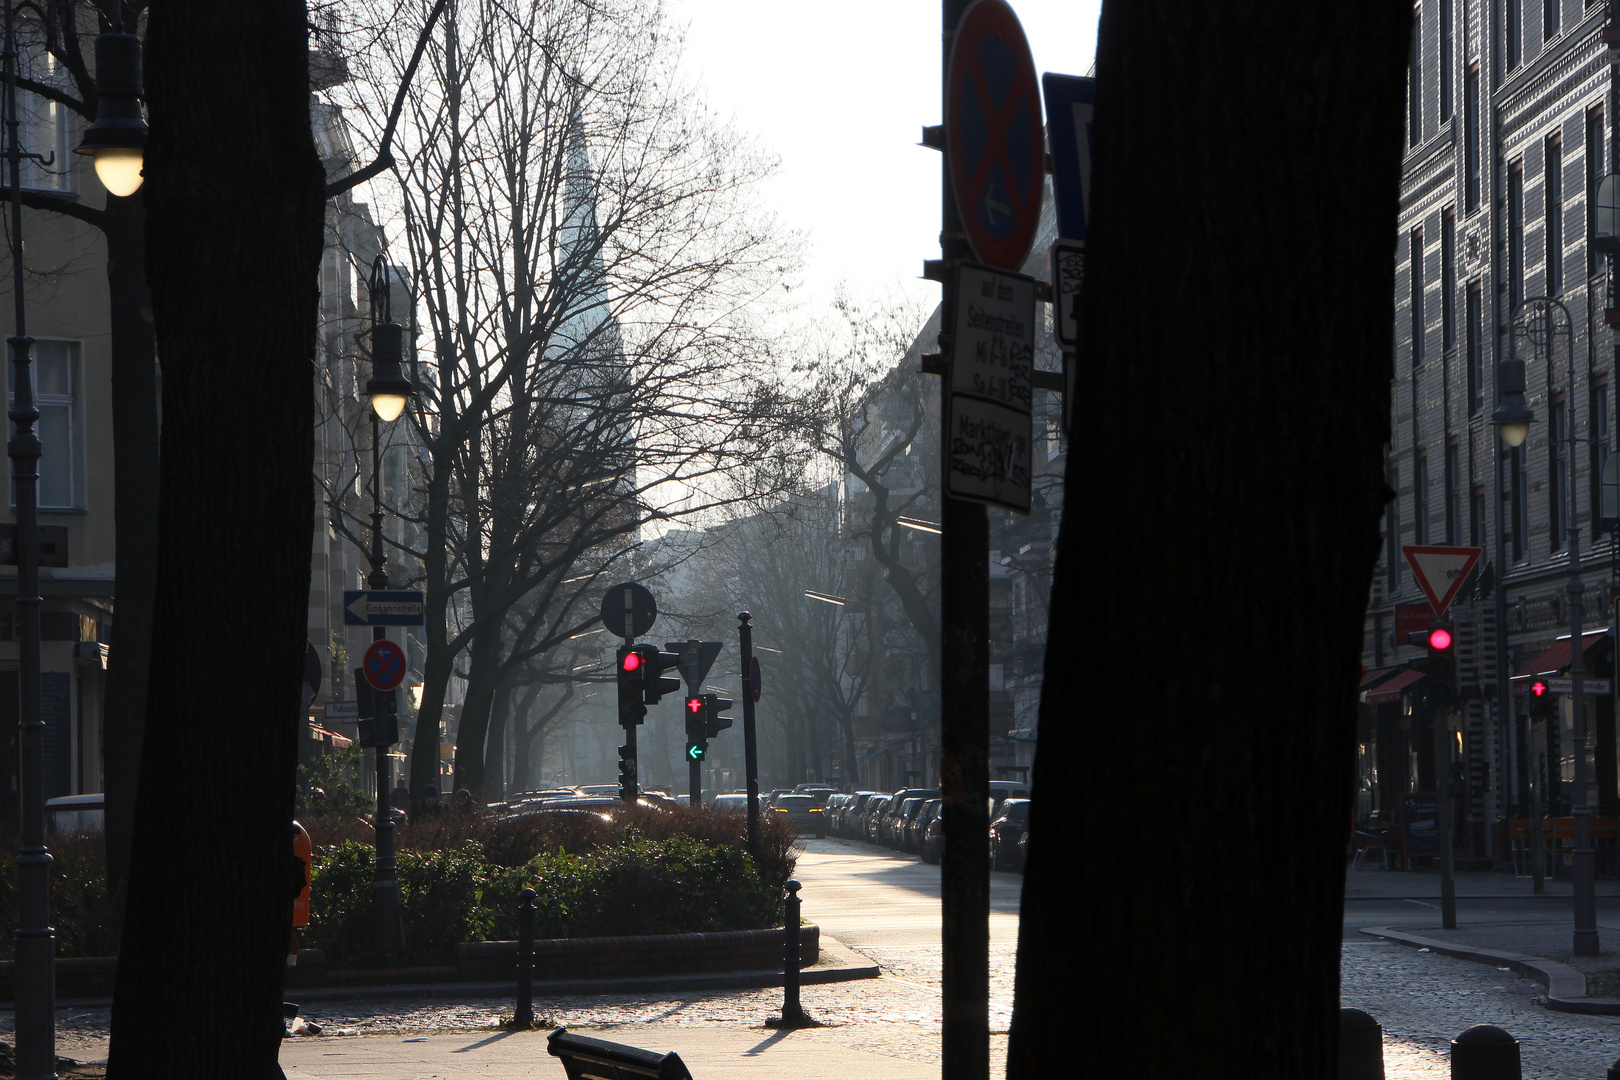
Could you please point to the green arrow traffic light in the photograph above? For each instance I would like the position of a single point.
(696, 750)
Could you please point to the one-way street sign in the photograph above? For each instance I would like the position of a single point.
(371, 607)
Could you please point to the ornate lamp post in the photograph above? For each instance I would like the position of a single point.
(1534, 319)
(388, 389)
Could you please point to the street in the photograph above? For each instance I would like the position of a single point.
(879, 902)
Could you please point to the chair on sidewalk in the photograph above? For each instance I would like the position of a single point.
(1365, 844)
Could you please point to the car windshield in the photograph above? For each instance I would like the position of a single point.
(1016, 811)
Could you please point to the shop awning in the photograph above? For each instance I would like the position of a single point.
(1390, 689)
(1378, 675)
(1557, 657)
(340, 741)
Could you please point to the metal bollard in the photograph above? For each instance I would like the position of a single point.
(523, 1015)
(1361, 1046)
(791, 1012)
(1485, 1052)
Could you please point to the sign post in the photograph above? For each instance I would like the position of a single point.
(991, 185)
(1068, 124)
(750, 664)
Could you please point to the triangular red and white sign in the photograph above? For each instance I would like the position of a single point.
(1441, 571)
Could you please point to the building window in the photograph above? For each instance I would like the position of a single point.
(1414, 83)
(1420, 500)
(1417, 297)
(1550, 18)
(1553, 185)
(1448, 278)
(1471, 134)
(1596, 170)
(61, 459)
(1476, 517)
(1518, 484)
(1453, 494)
(1513, 20)
(1476, 349)
(1557, 466)
(1445, 60)
(46, 125)
(1515, 209)
(1598, 425)
(1392, 530)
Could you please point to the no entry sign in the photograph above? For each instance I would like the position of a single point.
(384, 665)
(993, 139)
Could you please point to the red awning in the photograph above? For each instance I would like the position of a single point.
(1557, 657)
(1378, 675)
(1391, 689)
(339, 741)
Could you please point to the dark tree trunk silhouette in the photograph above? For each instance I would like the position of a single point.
(233, 251)
(1236, 353)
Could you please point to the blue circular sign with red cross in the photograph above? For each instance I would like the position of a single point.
(384, 665)
(993, 139)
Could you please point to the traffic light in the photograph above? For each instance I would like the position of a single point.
(627, 773)
(697, 742)
(714, 719)
(655, 684)
(1439, 664)
(382, 727)
(631, 670)
(1542, 705)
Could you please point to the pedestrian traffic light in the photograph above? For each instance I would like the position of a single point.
(631, 669)
(655, 684)
(381, 729)
(627, 773)
(714, 719)
(1542, 705)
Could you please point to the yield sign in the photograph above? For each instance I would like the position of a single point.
(1441, 571)
(696, 659)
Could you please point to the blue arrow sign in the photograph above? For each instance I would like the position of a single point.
(371, 607)
(1068, 127)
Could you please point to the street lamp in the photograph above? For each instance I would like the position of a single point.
(1534, 319)
(388, 389)
(117, 139)
(36, 942)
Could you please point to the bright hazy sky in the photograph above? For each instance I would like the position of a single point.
(840, 91)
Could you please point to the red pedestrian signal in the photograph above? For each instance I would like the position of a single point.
(694, 705)
(1538, 689)
(1440, 639)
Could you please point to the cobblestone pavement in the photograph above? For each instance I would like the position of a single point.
(1424, 1000)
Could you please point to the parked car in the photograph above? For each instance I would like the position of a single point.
(1005, 830)
(896, 821)
(803, 812)
(933, 835)
(849, 821)
(918, 823)
(732, 804)
(1002, 790)
(836, 804)
(872, 816)
(893, 820)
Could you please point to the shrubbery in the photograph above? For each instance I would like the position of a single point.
(636, 871)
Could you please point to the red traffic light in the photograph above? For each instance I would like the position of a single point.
(631, 661)
(1538, 689)
(694, 705)
(1440, 639)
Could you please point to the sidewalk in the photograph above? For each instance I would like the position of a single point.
(1538, 944)
(895, 1052)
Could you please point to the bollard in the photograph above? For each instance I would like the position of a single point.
(1614, 1071)
(523, 1015)
(791, 1013)
(1361, 1046)
(1485, 1052)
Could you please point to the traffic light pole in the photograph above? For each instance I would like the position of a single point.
(1438, 719)
(745, 640)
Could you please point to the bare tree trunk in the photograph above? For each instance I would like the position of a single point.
(495, 786)
(233, 253)
(1237, 334)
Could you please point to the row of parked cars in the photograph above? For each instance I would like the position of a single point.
(909, 820)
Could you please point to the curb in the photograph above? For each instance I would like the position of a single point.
(839, 963)
(1566, 987)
